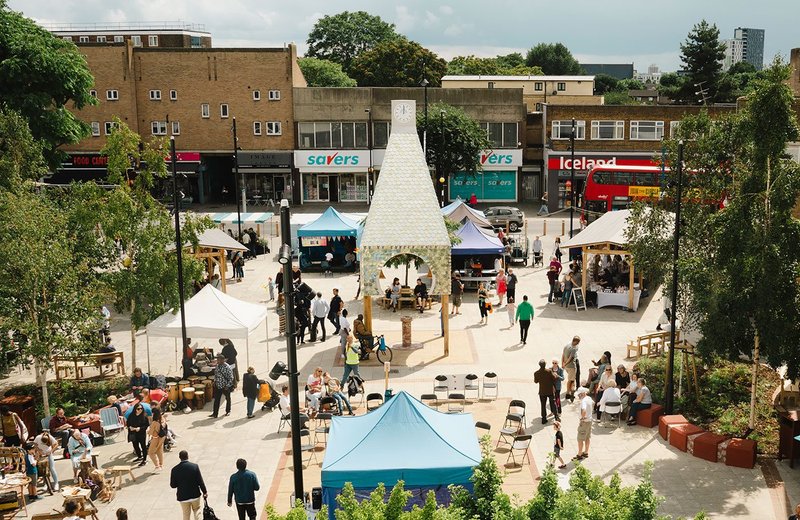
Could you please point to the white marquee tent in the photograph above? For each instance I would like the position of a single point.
(211, 314)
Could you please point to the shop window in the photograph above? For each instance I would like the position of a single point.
(155, 95)
(305, 133)
(562, 129)
(96, 128)
(223, 110)
(274, 128)
(608, 130)
(158, 127)
(256, 127)
(352, 187)
(112, 95)
(256, 95)
(647, 130)
(152, 41)
(205, 110)
(176, 128)
(380, 135)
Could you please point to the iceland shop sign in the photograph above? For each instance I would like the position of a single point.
(331, 160)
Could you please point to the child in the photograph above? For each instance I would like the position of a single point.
(271, 286)
(512, 309)
(559, 443)
(31, 471)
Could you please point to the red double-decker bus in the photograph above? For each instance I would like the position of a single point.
(610, 188)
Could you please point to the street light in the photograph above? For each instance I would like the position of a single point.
(571, 177)
(441, 155)
(285, 259)
(668, 398)
(178, 242)
(371, 145)
(236, 192)
(424, 84)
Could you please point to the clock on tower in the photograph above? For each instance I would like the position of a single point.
(404, 114)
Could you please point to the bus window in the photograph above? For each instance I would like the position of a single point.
(595, 206)
(623, 178)
(619, 203)
(601, 177)
(646, 179)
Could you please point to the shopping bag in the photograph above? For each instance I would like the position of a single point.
(263, 393)
(489, 307)
(208, 513)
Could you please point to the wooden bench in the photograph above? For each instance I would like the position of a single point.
(107, 365)
(652, 345)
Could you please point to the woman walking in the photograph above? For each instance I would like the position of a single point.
(502, 286)
(482, 296)
(157, 433)
(250, 387)
(137, 433)
(557, 250)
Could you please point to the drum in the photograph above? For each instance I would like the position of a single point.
(194, 379)
(172, 391)
(181, 385)
(206, 371)
(209, 389)
(188, 393)
(199, 399)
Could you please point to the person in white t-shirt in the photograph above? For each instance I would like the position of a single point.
(315, 389)
(283, 402)
(585, 424)
(45, 445)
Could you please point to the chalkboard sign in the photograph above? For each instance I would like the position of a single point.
(577, 298)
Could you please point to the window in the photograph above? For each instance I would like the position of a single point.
(501, 135)
(101, 39)
(380, 134)
(173, 95)
(601, 177)
(673, 128)
(256, 127)
(93, 93)
(195, 42)
(563, 129)
(538, 86)
(158, 127)
(273, 128)
(647, 130)
(68, 38)
(152, 41)
(155, 95)
(176, 128)
(335, 135)
(623, 178)
(490, 84)
(537, 107)
(110, 126)
(137, 41)
(119, 39)
(95, 128)
(204, 110)
(274, 95)
(561, 87)
(223, 110)
(611, 130)
(256, 95)
(83, 39)
(112, 95)
(646, 179)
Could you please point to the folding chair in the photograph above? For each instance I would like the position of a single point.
(46, 423)
(430, 399)
(517, 407)
(520, 444)
(490, 383)
(511, 428)
(110, 420)
(471, 385)
(331, 404)
(455, 403)
(440, 385)
(483, 428)
(307, 445)
(612, 409)
(374, 397)
(285, 421)
(323, 427)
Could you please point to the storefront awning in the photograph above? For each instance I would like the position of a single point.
(232, 218)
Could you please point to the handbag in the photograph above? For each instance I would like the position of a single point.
(263, 393)
(489, 308)
(208, 513)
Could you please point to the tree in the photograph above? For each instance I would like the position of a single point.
(604, 83)
(630, 84)
(342, 37)
(398, 63)
(702, 54)
(471, 65)
(617, 97)
(510, 61)
(455, 140)
(324, 73)
(39, 75)
(670, 85)
(554, 59)
(20, 154)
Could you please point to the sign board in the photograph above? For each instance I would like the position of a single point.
(487, 185)
(264, 159)
(313, 241)
(332, 160)
(501, 159)
(576, 297)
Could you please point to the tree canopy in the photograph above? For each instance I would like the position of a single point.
(324, 73)
(20, 154)
(455, 140)
(342, 37)
(702, 55)
(398, 63)
(553, 59)
(507, 65)
(39, 75)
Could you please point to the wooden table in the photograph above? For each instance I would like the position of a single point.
(82, 497)
(16, 482)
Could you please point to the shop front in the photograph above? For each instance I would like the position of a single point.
(189, 180)
(559, 173)
(79, 167)
(334, 175)
(498, 182)
(266, 177)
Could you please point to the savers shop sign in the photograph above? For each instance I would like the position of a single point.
(486, 185)
(332, 160)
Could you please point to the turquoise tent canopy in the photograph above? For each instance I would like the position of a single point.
(232, 218)
(330, 224)
(402, 440)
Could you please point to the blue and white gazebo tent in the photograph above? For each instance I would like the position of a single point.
(332, 232)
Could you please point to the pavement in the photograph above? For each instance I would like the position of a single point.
(690, 485)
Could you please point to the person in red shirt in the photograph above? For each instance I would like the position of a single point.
(59, 427)
(473, 200)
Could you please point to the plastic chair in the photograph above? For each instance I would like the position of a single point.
(471, 385)
(612, 409)
(520, 444)
(511, 428)
(46, 423)
(455, 403)
(374, 397)
(109, 418)
(440, 385)
(490, 383)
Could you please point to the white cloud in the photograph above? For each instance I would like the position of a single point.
(430, 19)
(446, 10)
(404, 21)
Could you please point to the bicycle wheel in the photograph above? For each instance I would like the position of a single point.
(384, 355)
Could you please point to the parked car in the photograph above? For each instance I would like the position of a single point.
(499, 216)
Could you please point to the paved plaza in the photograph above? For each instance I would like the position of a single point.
(689, 484)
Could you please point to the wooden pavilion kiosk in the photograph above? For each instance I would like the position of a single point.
(212, 248)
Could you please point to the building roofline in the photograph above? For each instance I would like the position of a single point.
(517, 78)
(126, 26)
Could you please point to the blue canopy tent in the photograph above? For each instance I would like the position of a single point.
(477, 248)
(402, 440)
(331, 232)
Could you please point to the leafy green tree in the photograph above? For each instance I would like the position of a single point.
(398, 63)
(39, 75)
(630, 84)
(324, 73)
(510, 61)
(471, 65)
(20, 154)
(455, 140)
(342, 37)
(604, 83)
(671, 85)
(702, 55)
(553, 58)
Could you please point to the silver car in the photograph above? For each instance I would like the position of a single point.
(499, 216)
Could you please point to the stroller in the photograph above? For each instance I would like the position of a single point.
(538, 259)
(169, 440)
(272, 402)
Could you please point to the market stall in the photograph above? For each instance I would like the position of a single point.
(331, 233)
(474, 257)
(402, 440)
(458, 211)
(212, 248)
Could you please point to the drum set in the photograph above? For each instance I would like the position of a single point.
(195, 391)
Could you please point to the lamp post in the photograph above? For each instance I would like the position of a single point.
(237, 192)
(441, 155)
(370, 145)
(668, 397)
(571, 177)
(178, 242)
(285, 258)
(424, 84)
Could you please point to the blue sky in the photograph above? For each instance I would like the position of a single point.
(610, 31)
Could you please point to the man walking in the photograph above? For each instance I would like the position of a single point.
(511, 284)
(344, 328)
(568, 357)
(188, 480)
(546, 381)
(334, 309)
(243, 486)
(319, 311)
(543, 209)
(352, 355)
(456, 291)
(223, 384)
(585, 424)
(524, 316)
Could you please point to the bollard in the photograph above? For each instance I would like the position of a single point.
(544, 228)
(562, 228)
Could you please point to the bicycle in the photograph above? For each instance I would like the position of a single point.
(382, 351)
